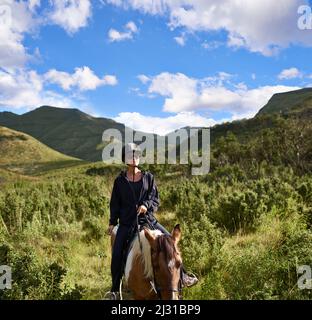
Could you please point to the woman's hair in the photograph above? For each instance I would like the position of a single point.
(130, 148)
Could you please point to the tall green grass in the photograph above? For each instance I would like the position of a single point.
(243, 236)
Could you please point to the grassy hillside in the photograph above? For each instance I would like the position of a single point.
(23, 154)
(253, 233)
(12, 177)
(288, 102)
(68, 131)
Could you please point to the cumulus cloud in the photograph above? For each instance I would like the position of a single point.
(260, 26)
(83, 79)
(290, 73)
(24, 89)
(21, 88)
(16, 19)
(130, 29)
(165, 125)
(217, 93)
(71, 15)
(20, 17)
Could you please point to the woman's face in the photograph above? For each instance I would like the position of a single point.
(132, 159)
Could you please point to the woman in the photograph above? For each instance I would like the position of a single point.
(134, 194)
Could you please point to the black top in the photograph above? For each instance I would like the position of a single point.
(137, 186)
(123, 203)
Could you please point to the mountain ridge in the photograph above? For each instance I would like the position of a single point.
(78, 134)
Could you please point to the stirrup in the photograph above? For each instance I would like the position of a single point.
(110, 295)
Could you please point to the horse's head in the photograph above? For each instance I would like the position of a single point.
(167, 262)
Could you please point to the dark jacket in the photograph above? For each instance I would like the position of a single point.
(123, 202)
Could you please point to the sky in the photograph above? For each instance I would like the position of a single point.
(155, 65)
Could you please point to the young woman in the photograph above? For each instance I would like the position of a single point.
(134, 194)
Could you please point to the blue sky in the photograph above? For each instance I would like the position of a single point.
(153, 65)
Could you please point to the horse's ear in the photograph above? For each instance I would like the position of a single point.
(149, 236)
(176, 233)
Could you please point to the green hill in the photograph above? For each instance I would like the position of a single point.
(289, 102)
(79, 135)
(68, 131)
(22, 153)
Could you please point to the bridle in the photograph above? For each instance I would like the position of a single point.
(159, 289)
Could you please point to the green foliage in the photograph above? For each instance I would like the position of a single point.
(244, 237)
(243, 232)
(94, 227)
(209, 237)
(263, 265)
(34, 280)
(52, 202)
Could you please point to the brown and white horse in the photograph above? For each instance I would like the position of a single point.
(153, 266)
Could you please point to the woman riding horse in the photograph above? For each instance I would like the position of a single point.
(134, 193)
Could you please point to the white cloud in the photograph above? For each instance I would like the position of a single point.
(24, 89)
(180, 41)
(110, 80)
(143, 78)
(21, 88)
(152, 7)
(130, 30)
(20, 17)
(160, 125)
(32, 4)
(17, 18)
(71, 15)
(183, 93)
(260, 26)
(83, 78)
(132, 27)
(290, 73)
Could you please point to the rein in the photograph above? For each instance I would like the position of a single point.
(158, 289)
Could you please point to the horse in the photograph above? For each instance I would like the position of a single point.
(153, 265)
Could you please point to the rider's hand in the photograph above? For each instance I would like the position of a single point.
(142, 209)
(110, 229)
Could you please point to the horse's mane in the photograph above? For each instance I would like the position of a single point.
(135, 251)
(167, 246)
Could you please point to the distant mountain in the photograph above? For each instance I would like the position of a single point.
(23, 154)
(68, 131)
(79, 135)
(296, 102)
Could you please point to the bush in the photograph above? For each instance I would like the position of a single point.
(94, 228)
(263, 265)
(32, 279)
